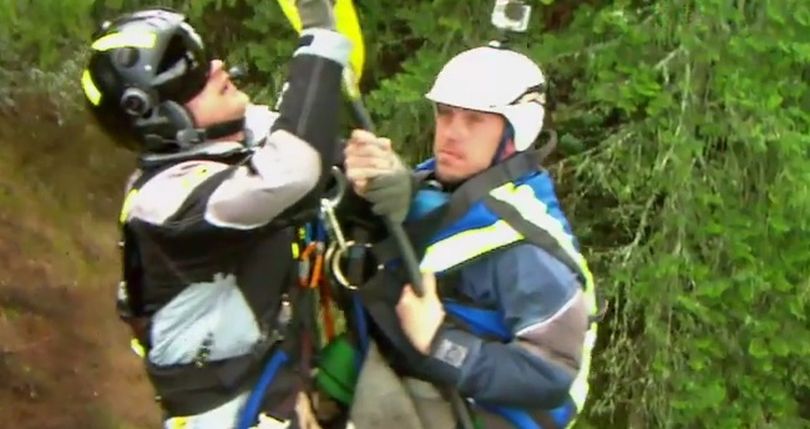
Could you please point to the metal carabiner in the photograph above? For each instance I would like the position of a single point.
(334, 255)
(338, 248)
(328, 206)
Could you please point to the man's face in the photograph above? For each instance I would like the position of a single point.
(465, 142)
(219, 100)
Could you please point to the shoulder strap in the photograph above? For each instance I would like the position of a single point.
(130, 294)
(479, 186)
(130, 297)
(547, 148)
(533, 233)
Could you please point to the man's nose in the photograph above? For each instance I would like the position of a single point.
(216, 65)
(453, 128)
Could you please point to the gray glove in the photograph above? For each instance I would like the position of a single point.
(316, 14)
(390, 195)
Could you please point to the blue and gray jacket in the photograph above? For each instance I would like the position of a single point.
(518, 294)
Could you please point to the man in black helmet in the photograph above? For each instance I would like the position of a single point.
(208, 220)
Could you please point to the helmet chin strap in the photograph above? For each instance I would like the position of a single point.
(187, 138)
(508, 134)
(225, 129)
(191, 136)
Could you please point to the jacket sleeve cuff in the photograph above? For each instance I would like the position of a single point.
(326, 44)
(451, 353)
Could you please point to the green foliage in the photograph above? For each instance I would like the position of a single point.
(42, 33)
(695, 192)
(685, 134)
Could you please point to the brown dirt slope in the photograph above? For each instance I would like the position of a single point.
(64, 356)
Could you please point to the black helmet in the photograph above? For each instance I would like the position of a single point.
(143, 67)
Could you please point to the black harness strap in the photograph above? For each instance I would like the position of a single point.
(130, 303)
(479, 186)
(191, 388)
(533, 233)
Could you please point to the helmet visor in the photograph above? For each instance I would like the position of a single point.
(183, 69)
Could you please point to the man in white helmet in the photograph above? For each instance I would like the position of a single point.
(507, 318)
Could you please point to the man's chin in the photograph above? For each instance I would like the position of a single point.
(238, 112)
(243, 102)
(447, 176)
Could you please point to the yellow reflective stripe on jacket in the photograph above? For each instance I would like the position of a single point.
(535, 211)
(579, 388)
(177, 423)
(135, 39)
(137, 348)
(466, 245)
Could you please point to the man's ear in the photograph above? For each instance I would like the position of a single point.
(509, 149)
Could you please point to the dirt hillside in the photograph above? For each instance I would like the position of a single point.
(64, 356)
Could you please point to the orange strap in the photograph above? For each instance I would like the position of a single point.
(313, 277)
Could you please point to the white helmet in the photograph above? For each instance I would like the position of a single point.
(499, 81)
